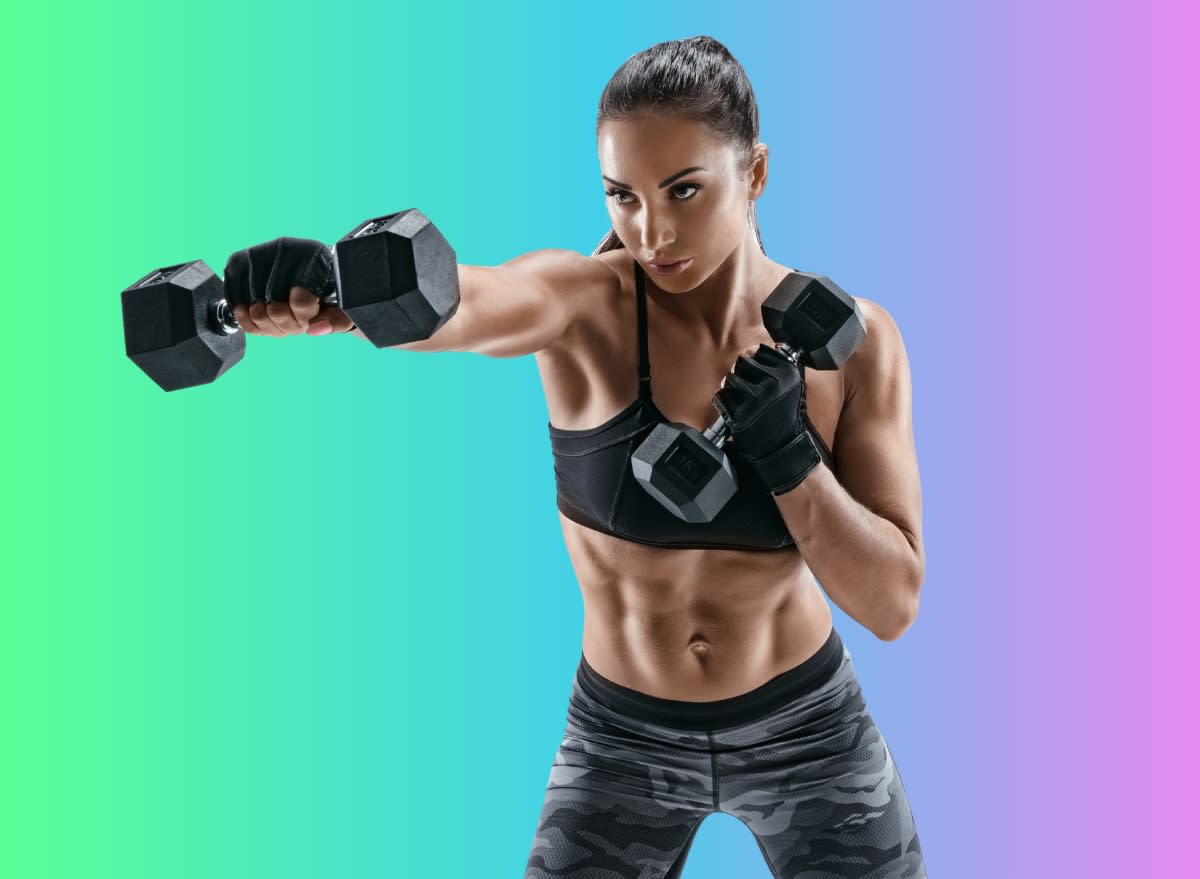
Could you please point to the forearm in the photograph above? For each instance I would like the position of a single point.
(865, 563)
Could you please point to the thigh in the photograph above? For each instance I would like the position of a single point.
(621, 803)
(824, 797)
(584, 836)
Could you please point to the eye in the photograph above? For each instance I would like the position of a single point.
(619, 194)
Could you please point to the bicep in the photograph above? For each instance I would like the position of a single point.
(521, 306)
(875, 449)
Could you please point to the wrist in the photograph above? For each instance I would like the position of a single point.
(786, 467)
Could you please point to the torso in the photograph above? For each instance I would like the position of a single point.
(689, 624)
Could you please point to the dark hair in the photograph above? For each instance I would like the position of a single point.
(696, 78)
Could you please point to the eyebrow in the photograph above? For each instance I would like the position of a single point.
(666, 182)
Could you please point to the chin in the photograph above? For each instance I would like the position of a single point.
(674, 286)
(686, 281)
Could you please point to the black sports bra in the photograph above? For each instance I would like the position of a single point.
(597, 488)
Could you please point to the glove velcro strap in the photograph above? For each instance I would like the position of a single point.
(785, 468)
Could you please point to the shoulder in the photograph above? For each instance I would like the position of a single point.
(618, 264)
(606, 287)
(880, 360)
(566, 272)
(593, 288)
(582, 284)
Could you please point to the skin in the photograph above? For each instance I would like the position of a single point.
(697, 624)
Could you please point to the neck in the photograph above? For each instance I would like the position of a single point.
(725, 307)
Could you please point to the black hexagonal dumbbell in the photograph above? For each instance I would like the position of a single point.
(813, 322)
(396, 276)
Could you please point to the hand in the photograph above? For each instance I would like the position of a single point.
(762, 400)
(281, 287)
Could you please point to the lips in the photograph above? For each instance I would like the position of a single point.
(671, 267)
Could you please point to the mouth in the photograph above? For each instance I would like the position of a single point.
(671, 268)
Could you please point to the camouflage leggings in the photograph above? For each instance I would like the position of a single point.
(813, 780)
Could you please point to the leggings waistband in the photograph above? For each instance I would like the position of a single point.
(792, 684)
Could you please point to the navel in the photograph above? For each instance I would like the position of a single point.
(698, 645)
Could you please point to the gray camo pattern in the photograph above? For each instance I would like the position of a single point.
(815, 782)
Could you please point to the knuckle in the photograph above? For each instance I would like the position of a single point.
(279, 311)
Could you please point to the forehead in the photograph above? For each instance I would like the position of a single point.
(646, 147)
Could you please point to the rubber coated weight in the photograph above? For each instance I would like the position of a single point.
(685, 471)
(178, 327)
(398, 278)
(815, 317)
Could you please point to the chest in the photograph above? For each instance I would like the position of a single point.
(587, 383)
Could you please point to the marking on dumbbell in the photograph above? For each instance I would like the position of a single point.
(159, 275)
(820, 313)
(688, 467)
(371, 226)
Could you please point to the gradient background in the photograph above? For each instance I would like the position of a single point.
(317, 619)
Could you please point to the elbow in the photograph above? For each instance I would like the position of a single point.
(903, 617)
(899, 624)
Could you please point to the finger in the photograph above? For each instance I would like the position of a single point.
(722, 404)
(277, 285)
(731, 397)
(304, 303)
(317, 274)
(281, 314)
(330, 319)
(237, 269)
(261, 259)
(767, 354)
(241, 314)
(739, 386)
(258, 312)
(752, 370)
(341, 321)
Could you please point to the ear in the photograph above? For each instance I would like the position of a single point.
(758, 169)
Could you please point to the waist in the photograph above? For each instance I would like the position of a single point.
(792, 684)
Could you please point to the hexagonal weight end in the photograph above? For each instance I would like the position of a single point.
(684, 472)
(815, 316)
(397, 278)
(169, 330)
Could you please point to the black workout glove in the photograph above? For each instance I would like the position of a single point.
(267, 272)
(763, 404)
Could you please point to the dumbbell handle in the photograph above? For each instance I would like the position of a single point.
(718, 432)
(222, 321)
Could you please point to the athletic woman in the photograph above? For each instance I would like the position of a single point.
(711, 678)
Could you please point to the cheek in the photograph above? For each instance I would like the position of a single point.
(716, 225)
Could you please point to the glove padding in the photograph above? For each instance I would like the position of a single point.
(763, 403)
(267, 272)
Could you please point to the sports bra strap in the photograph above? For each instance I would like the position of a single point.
(643, 341)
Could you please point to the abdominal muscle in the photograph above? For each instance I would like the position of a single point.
(693, 624)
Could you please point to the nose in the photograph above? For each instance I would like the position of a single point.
(657, 234)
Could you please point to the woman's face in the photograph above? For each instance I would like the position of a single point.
(675, 192)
